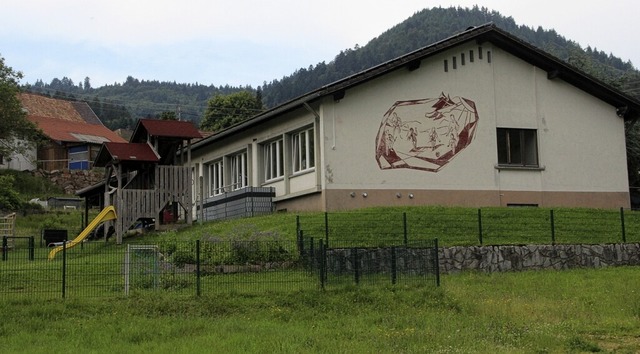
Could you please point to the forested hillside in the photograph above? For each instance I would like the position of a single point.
(119, 105)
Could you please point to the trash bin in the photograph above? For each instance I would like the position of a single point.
(51, 235)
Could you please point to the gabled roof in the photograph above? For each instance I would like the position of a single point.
(627, 107)
(73, 111)
(74, 131)
(165, 129)
(66, 121)
(125, 152)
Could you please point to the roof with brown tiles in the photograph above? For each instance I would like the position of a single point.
(73, 131)
(125, 152)
(164, 128)
(66, 121)
(72, 111)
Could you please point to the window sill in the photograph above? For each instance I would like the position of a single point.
(519, 168)
(303, 172)
(273, 180)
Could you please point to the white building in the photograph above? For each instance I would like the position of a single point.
(478, 119)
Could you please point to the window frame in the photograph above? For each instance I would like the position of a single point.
(517, 153)
(273, 159)
(216, 177)
(303, 150)
(238, 170)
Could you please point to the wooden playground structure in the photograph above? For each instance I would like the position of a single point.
(147, 178)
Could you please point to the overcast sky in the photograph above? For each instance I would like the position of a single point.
(243, 42)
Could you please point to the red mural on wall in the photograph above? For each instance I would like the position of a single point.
(425, 134)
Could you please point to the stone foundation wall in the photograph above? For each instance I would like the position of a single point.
(536, 257)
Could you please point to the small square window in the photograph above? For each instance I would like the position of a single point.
(517, 147)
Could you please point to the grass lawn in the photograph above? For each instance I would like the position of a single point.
(531, 312)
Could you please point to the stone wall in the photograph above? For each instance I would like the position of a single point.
(536, 257)
(71, 180)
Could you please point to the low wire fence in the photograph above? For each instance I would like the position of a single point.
(469, 227)
(98, 269)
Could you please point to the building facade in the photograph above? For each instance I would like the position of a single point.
(479, 119)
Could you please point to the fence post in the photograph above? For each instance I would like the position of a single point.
(323, 255)
(326, 228)
(300, 237)
(356, 265)
(404, 224)
(553, 227)
(5, 248)
(32, 246)
(480, 226)
(198, 289)
(297, 224)
(64, 267)
(624, 234)
(437, 261)
(312, 253)
(394, 269)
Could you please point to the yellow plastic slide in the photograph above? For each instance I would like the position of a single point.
(108, 213)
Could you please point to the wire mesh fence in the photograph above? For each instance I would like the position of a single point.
(209, 266)
(466, 227)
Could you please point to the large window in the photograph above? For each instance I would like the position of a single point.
(302, 148)
(216, 178)
(517, 147)
(238, 164)
(273, 160)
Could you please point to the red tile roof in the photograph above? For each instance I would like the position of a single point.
(122, 152)
(70, 131)
(42, 106)
(166, 128)
(66, 121)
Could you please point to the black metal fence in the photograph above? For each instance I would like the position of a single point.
(464, 226)
(98, 269)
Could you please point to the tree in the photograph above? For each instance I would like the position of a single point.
(17, 134)
(168, 115)
(224, 111)
(87, 84)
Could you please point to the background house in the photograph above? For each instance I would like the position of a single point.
(478, 119)
(75, 133)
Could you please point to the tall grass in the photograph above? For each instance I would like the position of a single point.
(544, 312)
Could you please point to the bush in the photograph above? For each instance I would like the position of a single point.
(247, 244)
(9, 197)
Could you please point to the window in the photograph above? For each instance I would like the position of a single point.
(238, 164)
(273, 160)
(216, 178)
(517, 147)
(302, 148)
